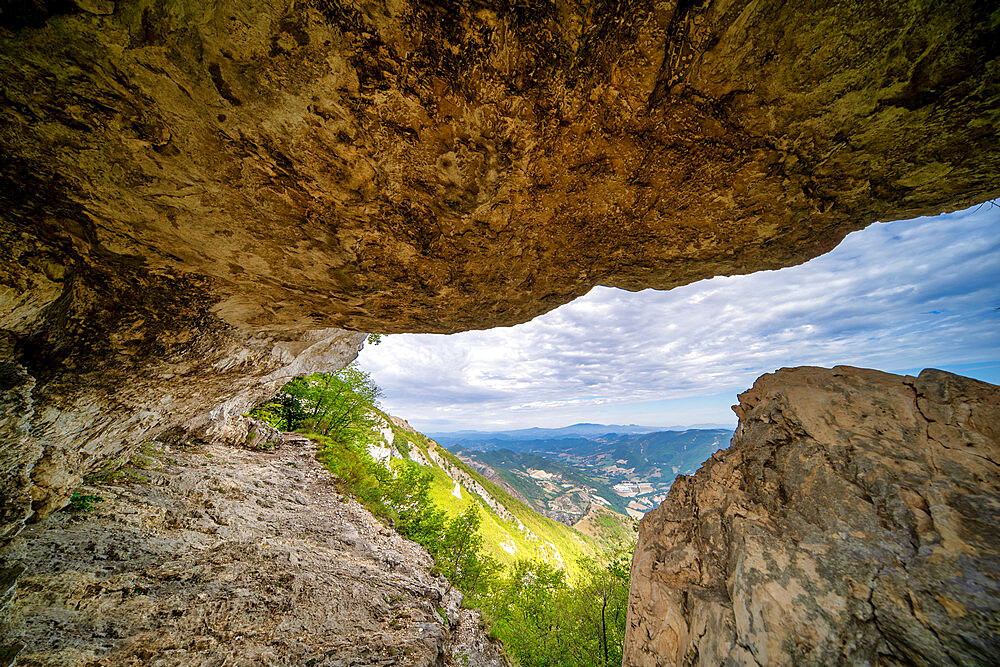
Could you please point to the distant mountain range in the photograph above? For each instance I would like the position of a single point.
(564, 472)
(583, 430)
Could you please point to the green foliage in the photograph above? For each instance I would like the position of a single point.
(339, 405)
(350, 462)
(399, 494)
(460, 556)
(81, 502)
(401, 444)
(373, 338)
(542, 617)
(544, 620)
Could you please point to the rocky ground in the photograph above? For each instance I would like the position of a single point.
(217, 555)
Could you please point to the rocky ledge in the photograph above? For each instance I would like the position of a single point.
(218, 555)
(851, 521)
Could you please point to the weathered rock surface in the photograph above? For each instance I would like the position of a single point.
(240, 431)
(188, 187)
(57, 426)
(226, 556)
(853, 520)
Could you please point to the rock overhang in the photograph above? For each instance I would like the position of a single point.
(189, 193)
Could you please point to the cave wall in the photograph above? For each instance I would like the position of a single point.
(851, 521)
(189, 192)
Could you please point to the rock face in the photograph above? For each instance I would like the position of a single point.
(851, 521)
(218, 555)
(55, 427)
(188, 192)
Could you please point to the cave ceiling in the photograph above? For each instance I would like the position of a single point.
(197, 199)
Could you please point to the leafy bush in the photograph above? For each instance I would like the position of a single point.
(81, 502)
(545, 620)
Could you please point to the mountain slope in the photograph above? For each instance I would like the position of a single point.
(511, 528)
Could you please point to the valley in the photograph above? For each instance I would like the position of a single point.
(563, 473)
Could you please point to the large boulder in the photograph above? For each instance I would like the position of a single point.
(851, 521)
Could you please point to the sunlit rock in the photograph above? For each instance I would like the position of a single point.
(851, 521)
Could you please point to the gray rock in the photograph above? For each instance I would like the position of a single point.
(178, 570)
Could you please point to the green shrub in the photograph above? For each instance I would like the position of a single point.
(337, 404)
(81, 502)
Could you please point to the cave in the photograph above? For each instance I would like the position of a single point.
(200, 202)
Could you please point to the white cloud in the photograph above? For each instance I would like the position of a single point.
(899, 295)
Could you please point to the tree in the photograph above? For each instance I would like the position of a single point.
(459, 554)
(605, 586)
(339, 405)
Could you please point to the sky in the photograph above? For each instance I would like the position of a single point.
(898, 297)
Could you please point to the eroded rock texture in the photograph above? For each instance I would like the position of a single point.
(851, 521)
(215, 555)
(59, 425)
(189, 186)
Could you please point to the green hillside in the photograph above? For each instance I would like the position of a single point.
(511, 530)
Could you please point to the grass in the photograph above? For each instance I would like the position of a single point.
(568, 542)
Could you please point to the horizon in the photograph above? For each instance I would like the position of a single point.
(896, 297)
(651, 428)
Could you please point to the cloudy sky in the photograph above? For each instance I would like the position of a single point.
(898, 297)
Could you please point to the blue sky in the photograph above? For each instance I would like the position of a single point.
(898, 296)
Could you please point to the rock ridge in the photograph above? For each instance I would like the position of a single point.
(851, 521)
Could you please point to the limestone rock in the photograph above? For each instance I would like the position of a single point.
(187, 187)
(245, 432)
(95, 414)
(851, 521)
(221, 555)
